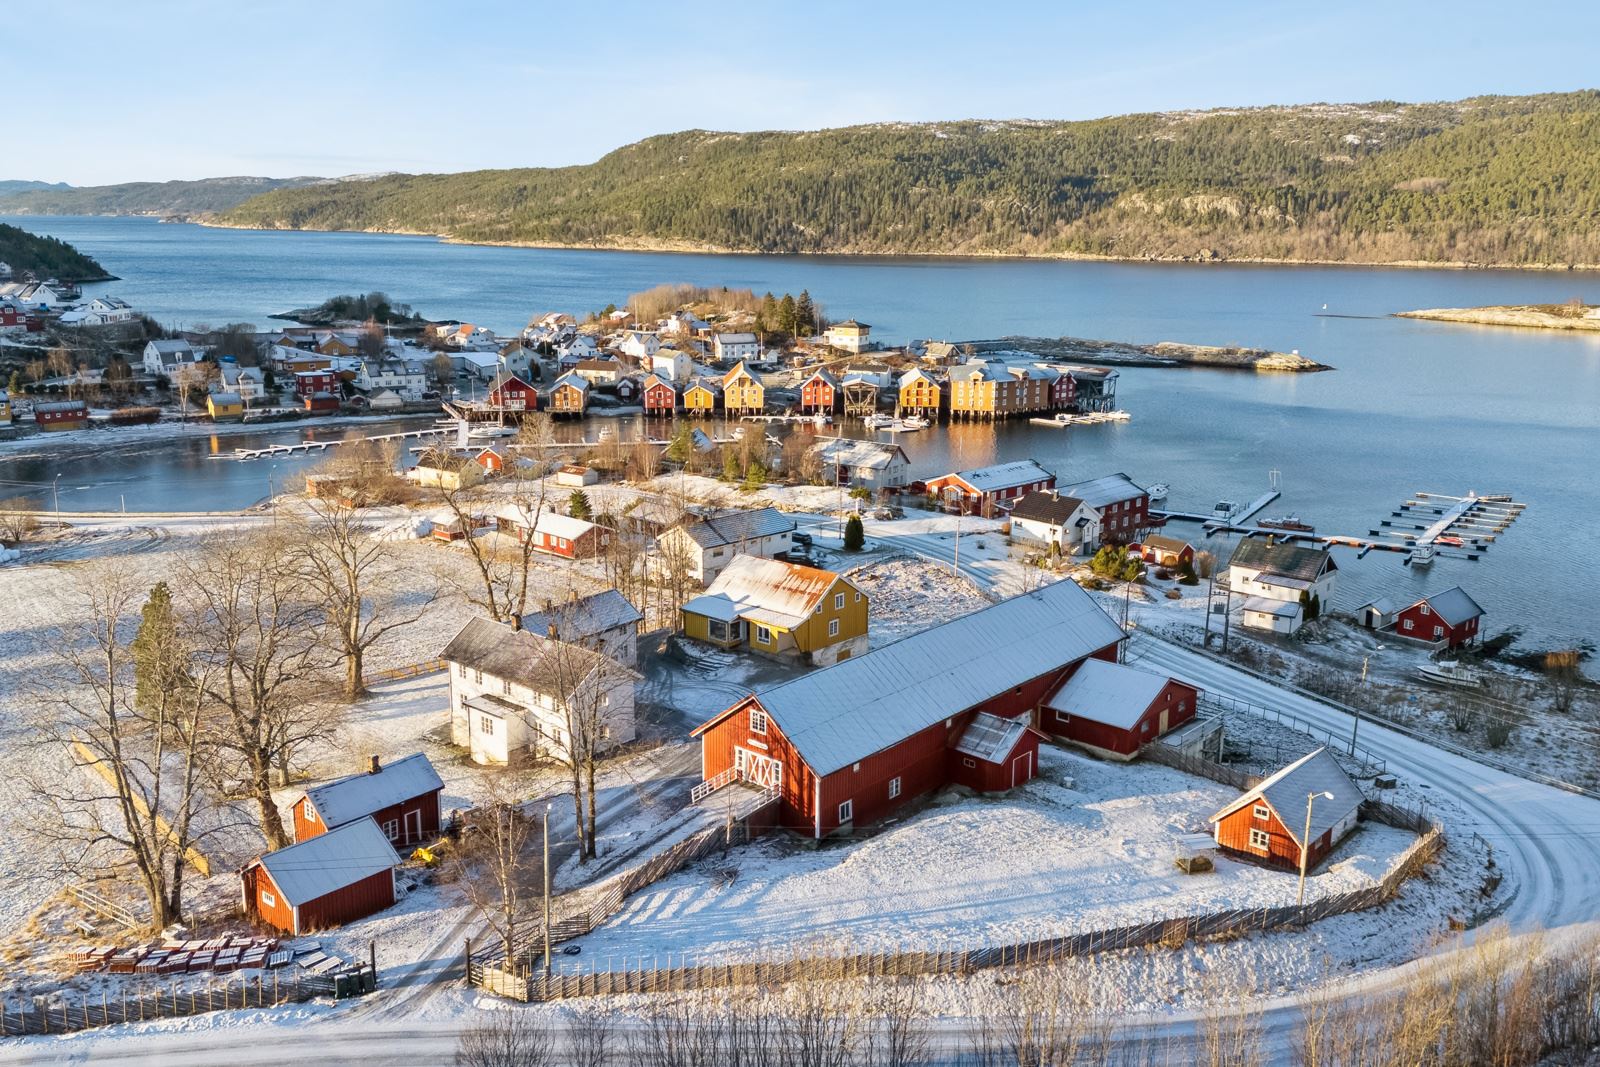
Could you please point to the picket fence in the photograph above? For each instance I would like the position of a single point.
(523, 977)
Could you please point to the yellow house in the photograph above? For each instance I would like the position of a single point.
(849, 335)
(780, 609)
(743, 392)
(979, 389)
(224, 406)
(920, 393)
(701, 397)
(569, 395)
(334, 345)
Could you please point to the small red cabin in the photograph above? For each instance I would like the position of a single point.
(492, 460)
(820, 392)
(660, 396)
(61, 414)
(1451, 617)
(1114, 710)
(1159, 550)
(994, 754)
(324, 881)
(1267, 822)
(513, 394)
(309, 382)
(403, 798)
(321, 402)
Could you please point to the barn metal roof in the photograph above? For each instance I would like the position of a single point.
(848, 452)
(1286, 609)
(1004, 475)
(1112, 693)
(350, 798)
(328, 862)
(1453, 605)
(1287, 791)
(577, 619)
(1106, 489)
(990, 738)
(545, 522)
(732, 527)
(840, 714)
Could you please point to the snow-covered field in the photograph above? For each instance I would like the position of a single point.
(1046, 860)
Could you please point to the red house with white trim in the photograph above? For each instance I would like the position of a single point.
(310, 382)
(1451, 617)
(322, 882)
(510, 392)
(1114, 710)
(402, 798)
(559, 535)
(1269, 821)
(981, 489)
(660, 396)
(849, 744)
(820, 392)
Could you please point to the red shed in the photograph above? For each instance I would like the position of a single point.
(1159, 550)
(510, 392)
(994, 754)
(660, 396)
(559, 535)
(337, 877)
(402, 798)
(1114, 710)
(820, 392)
(1451, 617)
(848, 744)
(322, 402)
(1268, 821)
(61, 414)
(491, 459)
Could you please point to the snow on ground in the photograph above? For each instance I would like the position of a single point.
(1047, 860)
(908, 594)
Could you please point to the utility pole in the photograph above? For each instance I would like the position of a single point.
(547, 808)
(1356, 726)
(55, 489)
(1305, 845)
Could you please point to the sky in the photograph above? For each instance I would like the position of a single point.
(164, 89)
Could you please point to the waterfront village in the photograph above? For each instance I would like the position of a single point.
(551, 713)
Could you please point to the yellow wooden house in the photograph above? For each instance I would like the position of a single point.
(920, 393)
(780, 609)
(569, 395)
(224, 407)
(703, 396)
(742, 392)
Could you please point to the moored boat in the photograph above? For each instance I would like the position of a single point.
(1286, 522)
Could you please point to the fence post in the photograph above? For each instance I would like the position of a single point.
(469, 963)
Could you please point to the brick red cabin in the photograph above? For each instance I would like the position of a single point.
(1123, 506)
(1267, 822)
(13, 317)
(323, 882)
(660, 396)
(1064, 392)
(402, 798)
(849, 744)
(820, 393)
(512, 393)
(322, 402)
(1114, 710)
(980, 490)
(61, 414)
(1452, 617)
(559, 535)
(308, 382)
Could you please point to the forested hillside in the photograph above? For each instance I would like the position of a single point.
(204, 196)
(46, 257)
(1487, 180)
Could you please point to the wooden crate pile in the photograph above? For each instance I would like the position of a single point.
(177, 956)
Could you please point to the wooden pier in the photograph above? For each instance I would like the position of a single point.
(320, 446)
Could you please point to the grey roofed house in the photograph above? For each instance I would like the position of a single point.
(1106, 489)
(1288, 789)
(1283, 560)
(576, 620)
(1453, 605)
(357, 795)
(328, 862)
(733, 527)
(1049, 506)
(532, 660)
(843, 713)
(849, 452)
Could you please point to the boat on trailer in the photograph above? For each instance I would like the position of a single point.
(1451, 672)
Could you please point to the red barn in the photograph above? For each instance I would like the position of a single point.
(321, 402)
(1451, 617)
(994, 754)
(848, 744)
(492, 460)
(325, 881)
(660, 396)
(513, 394)
(402, 798)
(559, 535)
(820, 392)
(1268, 822)
(1160, 550)
(61, 414)
(1123, 506)
(13, 317)
(1114, 710)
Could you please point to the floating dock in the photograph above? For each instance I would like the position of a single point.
(319, 446)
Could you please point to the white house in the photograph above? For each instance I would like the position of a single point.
(35, 296)
(640, 344)
(577, 348)
(672, 365)
(1281, 582)
(684, 324)
(517, 696)
(1051, 517)
(163, 359)
(707, 545)
(874, 464)
(606, 622)
(248, 382)
(850, 335)
(101, 311)
(732, 347)
(406, 377)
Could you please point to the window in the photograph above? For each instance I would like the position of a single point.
(758, 721)
(311, 813)
(505, 686)
(833, 627)
(391, 829)
(763, 636)
(486, 725)
(1183, 705)
(1259, 840)
(716, 552)
(1408, 624)
(969, 763)
(847, 811)
(838, 602)
(461, 669)
(858, 596)
(268, 899)
(1425, 610)
(1262, 812)
(477, 675)
(1438, 631)
(894, 788)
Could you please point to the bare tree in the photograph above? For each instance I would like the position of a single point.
(508, 1037)
(500, 867)
(354, 575)
(19, 520)
(644, 462)
(130, 806)
(503, 568)
(262, 641)
(595, 694)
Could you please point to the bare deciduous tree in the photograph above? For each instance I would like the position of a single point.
(507, 1037)
(19, 520)
(500, 865)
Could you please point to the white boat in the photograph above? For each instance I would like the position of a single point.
(878, 422)
(489, 433)
(1158, 492)
(1421, 556)
(1450, 672)
(914, 422)
(1224, 510)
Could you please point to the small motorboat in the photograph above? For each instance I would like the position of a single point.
(1450, 672)
(1158, 492)
(488, 433)
(1224, 510)
(914, 422)
(1286, 522)
(1453, 542)
(878, 422)
(1421, 556)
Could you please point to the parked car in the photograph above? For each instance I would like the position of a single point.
(801, 539)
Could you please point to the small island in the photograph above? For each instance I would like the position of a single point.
(1167, 354)
(347, 310)
(1573, 315)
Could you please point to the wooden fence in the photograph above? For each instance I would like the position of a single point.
(61, 1013)
(410, 670)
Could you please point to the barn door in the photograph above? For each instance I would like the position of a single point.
(1022, 768)
(764, 772)
(1164, 713)
(413, 825)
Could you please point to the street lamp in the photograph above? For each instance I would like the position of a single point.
(1305, 844)
(270, 505)
(55, 489)
(1357, 725)
(547, 808)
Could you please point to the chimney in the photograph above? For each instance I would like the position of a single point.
(374, 764)
(551, 631)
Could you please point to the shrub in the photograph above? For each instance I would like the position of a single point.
(855, 537)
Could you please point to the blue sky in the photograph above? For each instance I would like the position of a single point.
(162, 89)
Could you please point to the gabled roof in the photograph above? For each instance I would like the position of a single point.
(733, 527)
(823, 373)
(1112, 693)
(546, 522)
(1453, 605)
(1004, 475)
(850, 452)
(551, 667)
(576, 620)
(741, 371)
(917, 374)
(991, 738)
(224, 399)
(840, 714)
(1162, 541)
(653, 380)
(1290, 561)
(1106, 489)
(328, 862)
(1287, 791)
(506, 377)
(849, 324)
(577, 381)
(710, 385)
(1049, 506)
(348, 799)
(736, 338)
(769, 590)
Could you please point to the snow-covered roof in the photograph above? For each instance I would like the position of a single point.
(717, 606)
(1004, 475)
(736, 338)
(769, 590)
(328, 862)
(848, 452)
(1453, 605)
(840, 714)
(732, 527)
(226, 399)
(532, 660)
(1292, 561)
(1283, 581)
(586, 617)
(1106, 489)
(350, 798)
(1383, 606)
(1284, 609)
(1165, 543)
(990, 738)
(1112, 693)
(546, 522)
(1288, 789)
(577, 381)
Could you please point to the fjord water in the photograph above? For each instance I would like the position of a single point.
(1411, 406)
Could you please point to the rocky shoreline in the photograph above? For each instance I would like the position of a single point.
(1162, 354)
(1528, 316)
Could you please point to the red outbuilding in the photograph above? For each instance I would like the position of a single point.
(846, 745)
(325, 881)
(1451, 617)
(310, 382)
(1269, 821)
(510, 392)
(402, 798)
(994, 754)
(13, 317)
(820, 392)
(491, 459)
(61, 414)
(322, 402)
(1159, 550)
(1114, 710)
(660, 396)
(559, 535)
(1064, 390)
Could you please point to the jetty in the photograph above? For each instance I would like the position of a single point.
(321, 446)
(1087, 419)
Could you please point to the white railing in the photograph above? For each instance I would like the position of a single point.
(711, 785)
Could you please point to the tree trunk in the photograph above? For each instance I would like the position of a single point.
(589, 837)
(577, 815)
(354, 685)
(270, 819)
